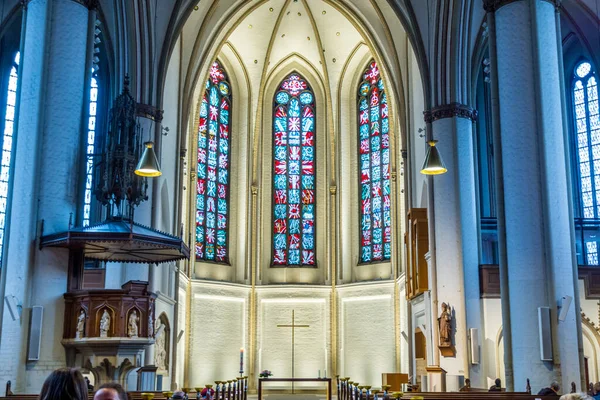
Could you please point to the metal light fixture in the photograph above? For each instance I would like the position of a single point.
(433, 163)
(148, 165)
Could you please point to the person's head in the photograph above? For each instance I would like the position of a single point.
(498, 382)
(64, 384)
(178, 396)
(111, 391)
(467, 382)
(597, 387)
(554, 386)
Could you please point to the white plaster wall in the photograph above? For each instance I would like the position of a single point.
(217, 332)
(366, 332)
(182, 349)
(405, 355)
(492, 361)
(311, 307)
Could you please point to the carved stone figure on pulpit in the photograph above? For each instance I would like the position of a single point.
(132, 326)
(80, 325)
(104, 324)
(445, 325)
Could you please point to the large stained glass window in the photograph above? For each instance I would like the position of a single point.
(374, 162)
(294, 173)
(587, 130)
(212, 187)
(7, 141)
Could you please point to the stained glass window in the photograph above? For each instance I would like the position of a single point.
(90, 146)
(294, 173)
(92, 127)
(7, 141)
(212, 186)
(587, 143)
(374, 163)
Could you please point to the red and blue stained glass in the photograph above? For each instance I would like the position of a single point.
(294, 174)
(374, 162)
(212, 186)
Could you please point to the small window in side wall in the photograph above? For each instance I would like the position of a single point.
(8, 135)
(586, 157)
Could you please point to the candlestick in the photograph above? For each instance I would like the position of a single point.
(241, 360)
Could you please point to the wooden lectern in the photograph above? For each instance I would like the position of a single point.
(394, 380)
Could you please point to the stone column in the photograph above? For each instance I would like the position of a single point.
(57, 171)
(454, 231)
(539, 247)
(23, 209)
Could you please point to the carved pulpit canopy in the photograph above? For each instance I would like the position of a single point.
(120, 190)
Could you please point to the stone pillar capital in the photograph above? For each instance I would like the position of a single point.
(450, 111)
(494, 5)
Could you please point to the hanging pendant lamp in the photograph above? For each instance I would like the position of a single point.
(433, 164)
(148, 164)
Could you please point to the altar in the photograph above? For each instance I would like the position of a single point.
(294, 380)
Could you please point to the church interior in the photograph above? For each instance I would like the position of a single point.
(350, 199)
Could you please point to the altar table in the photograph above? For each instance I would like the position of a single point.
(261, 380)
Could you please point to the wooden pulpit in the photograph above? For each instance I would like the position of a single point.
(395, 380)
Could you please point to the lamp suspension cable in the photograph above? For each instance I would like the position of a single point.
(148, 165)
(433, 163)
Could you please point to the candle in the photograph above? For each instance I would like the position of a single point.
(241, 360)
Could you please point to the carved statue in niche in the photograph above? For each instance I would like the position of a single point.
(132, 325)
(445, 325)
(104, 324)
(160, 349)
(80, 325)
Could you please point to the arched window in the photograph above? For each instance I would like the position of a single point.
(587, 144)
(374, 163)
(484, 150)
(90, 150)
(98, 85)
(294, 173)
(7, 141)
(212, 187)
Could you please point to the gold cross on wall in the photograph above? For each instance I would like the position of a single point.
(293, 326)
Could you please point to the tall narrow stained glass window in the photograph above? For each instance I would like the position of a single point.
(212, 187)
(587, 143)
(93, 125)
(7, 141)
(374, 161)
(294, 173)
(90, 150)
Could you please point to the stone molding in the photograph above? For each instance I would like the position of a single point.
(148, 111)
(494, 5)
(450, 111)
